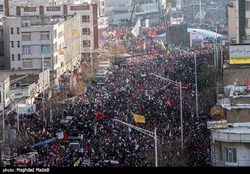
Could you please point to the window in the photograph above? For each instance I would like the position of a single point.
(44, 36)
(11, 31)
(55, 46)
(26, 37)
(86, 43)
(18, 44)
(12, 44)
(19, 57)
(26, 49)
(13, 57)
(231, 155)
(247, 5)
(45, 48)
(60, 34)
(26, 63)
(55, 34)
(86, 31)
(85, 18)
(17, 30)
(46, 64)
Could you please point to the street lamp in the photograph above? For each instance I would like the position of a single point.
(180, 86)
(147, 132)
(3, 88)
(43, 87)
(196, 86)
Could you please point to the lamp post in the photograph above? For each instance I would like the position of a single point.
(196, 86)
(178, 84)
(216, 48)
(3, 88)
(43, 88)
(147, 132)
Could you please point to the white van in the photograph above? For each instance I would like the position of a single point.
(101, 76)
(104, 65)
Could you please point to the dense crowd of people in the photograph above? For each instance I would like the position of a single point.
(129, 90)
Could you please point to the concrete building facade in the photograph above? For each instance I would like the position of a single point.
(62, 36)
(230, 143)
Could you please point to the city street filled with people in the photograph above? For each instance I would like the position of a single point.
(87, 132)
(133, 89)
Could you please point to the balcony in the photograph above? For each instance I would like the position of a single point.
(239, 163)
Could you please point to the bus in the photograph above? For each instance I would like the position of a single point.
(101, 76)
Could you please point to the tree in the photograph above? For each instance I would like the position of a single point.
(116, 49)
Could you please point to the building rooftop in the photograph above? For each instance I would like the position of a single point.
(3, 77)
(235, 91)
(22, 81)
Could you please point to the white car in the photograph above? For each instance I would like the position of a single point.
(66, 120)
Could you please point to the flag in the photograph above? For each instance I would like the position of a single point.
(129, 129)
(97, 116)
(127, 80)
(65, 136)
(103, 115)
(144, 45)
(139, 118)
(114, 162)
(115, 33)
(43, 131)
(169, 102)
(247, 84)
(61, 52)
(95, 129)
(163, 46)
(75, 33)
(147, 23)
(170, 134)
(136, 30)
(76, 163)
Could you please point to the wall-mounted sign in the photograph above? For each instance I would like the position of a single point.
(217, 124)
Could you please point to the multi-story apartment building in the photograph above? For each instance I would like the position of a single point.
(1, 48)
(230, 142)
(230, 139)
(27, 40)
(239, 21)
(61, 35)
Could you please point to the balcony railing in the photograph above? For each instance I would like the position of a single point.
(239, 163)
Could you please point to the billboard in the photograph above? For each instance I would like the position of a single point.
(103, 22)
(239, 54)
(26, 108)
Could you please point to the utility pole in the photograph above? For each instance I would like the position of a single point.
(3, 88)
(43, 89)
(146, 132)
(196, 87)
